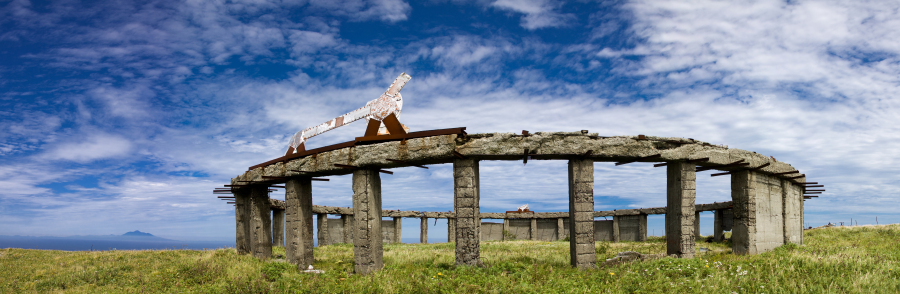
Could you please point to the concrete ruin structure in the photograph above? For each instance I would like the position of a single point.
(766, 210)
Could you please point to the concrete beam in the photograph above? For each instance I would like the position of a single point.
(697, 234)
(242, 220)
(680, 237)
(468, 212)
(278, 227)
(299, 222)
(260, 222)
(533, 230)
(582, 248)
(793, 220)
(367, 244)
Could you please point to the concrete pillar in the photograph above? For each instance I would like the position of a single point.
(398, 230)
(468, 213)
(680, 237)
(643, 228)
(793, 222)
(758, 214)
(278, 227)
(368, 249)
(322, 228)
(451, 230)
(561, 228)
(347, 220)
(718, 225)
(532, 230)
(582, 248)
(299, 221)
(697, 234)
(260, 222)
(242, 220)
(506, 232)
(617, 237)
(423, 231)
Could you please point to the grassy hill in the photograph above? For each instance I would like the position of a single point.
(834, 260)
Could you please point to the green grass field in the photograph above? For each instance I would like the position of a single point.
(833, 260)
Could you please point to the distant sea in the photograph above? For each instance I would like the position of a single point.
(101, 243)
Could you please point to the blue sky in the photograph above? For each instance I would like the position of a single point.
(124, 115)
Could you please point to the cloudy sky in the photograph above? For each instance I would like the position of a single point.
(124, 115)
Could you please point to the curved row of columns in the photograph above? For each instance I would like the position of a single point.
(754, 195)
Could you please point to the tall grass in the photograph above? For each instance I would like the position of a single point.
(833, 260)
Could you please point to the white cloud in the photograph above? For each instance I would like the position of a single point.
(538, 13)
(94, 147)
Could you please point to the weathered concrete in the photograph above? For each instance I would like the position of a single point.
(398, 230)
(242, 220)
(278, 227)
(793, 220)
(546, 230)
(718, 225)
(347, 220)
(491, 231)
(615, 229)
(336, 231)
(681, 179)
(299, 221)
(322, 229)
(506, 230)
(367, 244)
(520, 229)
(561, 228)
(604, 230)
(508, 146)
(260, 222)
(632, 227)
(451, 230)
(423, 230)
(758, 216)
(468, 212)
(697, 234)
(532, 229)
(388, 233)
(582, 249)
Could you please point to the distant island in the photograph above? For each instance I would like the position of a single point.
(138, 233)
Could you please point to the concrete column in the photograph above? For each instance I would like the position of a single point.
(758, 215)
(398, 230)
(242, 220)
(718, 225)
(697, 225)
(322, 228)
(260, 222)
(791, 202)
(561, 228)
(278, 227)
(582, 248)
(643, 228)
(423, 231)
(532, 230)
(617, 237)
(506, 229)
(299, 221)
(368, 249)
(680, 237)
(347, 220)
(451, 229)
(468, 213)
